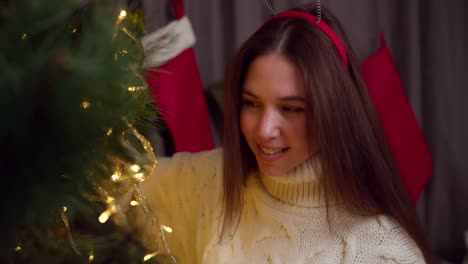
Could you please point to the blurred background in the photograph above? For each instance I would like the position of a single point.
(428, 41)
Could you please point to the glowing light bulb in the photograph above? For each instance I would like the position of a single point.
(122, 14)
(104, 216)
(166, 228)
(139, 176)
(115, 177)
(85, 104)
(135, 168)
(135, 88)
(149, 256)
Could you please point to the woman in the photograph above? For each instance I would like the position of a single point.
(305, 174)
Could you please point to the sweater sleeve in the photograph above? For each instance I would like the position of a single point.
(382, 240)
(178, 194)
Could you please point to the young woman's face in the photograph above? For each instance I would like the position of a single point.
(273, 118)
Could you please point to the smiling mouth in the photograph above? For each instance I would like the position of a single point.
(271, 151)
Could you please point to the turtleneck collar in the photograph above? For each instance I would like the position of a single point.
(300, 186)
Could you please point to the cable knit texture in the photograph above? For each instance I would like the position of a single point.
(283, 219)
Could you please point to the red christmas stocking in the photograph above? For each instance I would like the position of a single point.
(404, 135)
(176, 86)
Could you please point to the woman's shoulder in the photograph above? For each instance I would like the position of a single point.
(209, 159)
(213, 156)
(185, 178)
(190, 169)
(382, 239)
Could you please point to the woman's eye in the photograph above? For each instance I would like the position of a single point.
(293, 109)
(248, 103)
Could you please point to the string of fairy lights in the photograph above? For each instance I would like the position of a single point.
(131, 174)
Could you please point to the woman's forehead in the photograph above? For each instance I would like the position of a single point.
(275, 75)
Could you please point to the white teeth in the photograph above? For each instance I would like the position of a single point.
(269, 151)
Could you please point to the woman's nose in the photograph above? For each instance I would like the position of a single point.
(269, 125)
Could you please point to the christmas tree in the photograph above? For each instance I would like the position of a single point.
(73, 100)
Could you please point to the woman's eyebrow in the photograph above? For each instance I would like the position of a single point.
(283, 99)
(249, 93)
(292, 98)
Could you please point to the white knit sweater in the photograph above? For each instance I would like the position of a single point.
(283, 221)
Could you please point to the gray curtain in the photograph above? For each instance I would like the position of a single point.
(428, 40)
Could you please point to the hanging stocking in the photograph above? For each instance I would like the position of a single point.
(175, 83)
(405, 137)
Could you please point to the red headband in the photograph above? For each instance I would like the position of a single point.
(320, 24)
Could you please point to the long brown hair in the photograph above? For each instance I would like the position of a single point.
(359, 170)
